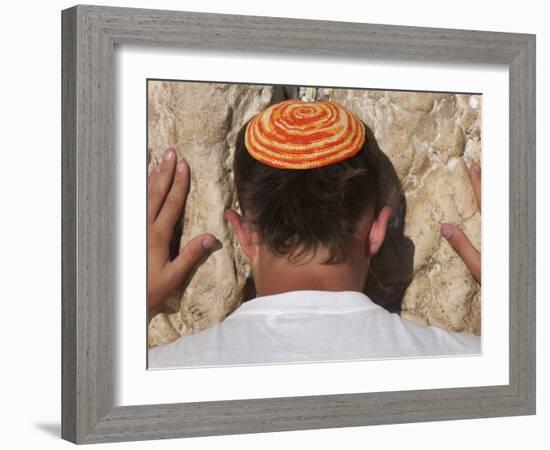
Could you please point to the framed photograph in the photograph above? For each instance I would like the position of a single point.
(265, 229)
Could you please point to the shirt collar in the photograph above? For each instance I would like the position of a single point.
(308, 301)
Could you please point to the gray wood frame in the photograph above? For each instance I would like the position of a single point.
(89, 36)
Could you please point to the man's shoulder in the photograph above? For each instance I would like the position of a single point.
(267, 332)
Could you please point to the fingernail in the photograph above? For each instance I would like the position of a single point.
(209, 242)
(180, 166)
(476, 167)
(168, 154)
(446, 231)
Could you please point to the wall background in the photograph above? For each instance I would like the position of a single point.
(426, 142)
(31, 208)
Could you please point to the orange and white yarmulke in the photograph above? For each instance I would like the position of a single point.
(294, 134)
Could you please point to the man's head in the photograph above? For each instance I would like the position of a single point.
(315, 221)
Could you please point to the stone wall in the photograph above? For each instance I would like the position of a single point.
(427, 139)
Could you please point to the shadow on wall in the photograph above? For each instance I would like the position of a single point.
(391, 270)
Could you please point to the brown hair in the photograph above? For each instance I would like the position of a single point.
(307, 208)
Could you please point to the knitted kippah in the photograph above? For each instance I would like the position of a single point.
(294, 134)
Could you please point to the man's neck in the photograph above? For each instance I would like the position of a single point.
(277, 276)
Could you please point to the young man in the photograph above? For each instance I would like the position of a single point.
(306, 180)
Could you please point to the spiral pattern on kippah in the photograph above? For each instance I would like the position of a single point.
(294, 134)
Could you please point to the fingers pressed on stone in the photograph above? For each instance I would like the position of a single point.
(191, 255)
(475, 178)
(464, 248)
(174, 203)
(159, 184)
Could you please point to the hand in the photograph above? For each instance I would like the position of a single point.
(456, 237)
(168, 186)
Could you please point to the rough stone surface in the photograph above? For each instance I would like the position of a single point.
(427, 139)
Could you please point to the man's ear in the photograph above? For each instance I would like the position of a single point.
(243, 231)
(378, 230)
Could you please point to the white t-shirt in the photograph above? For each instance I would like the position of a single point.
(308, 326)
